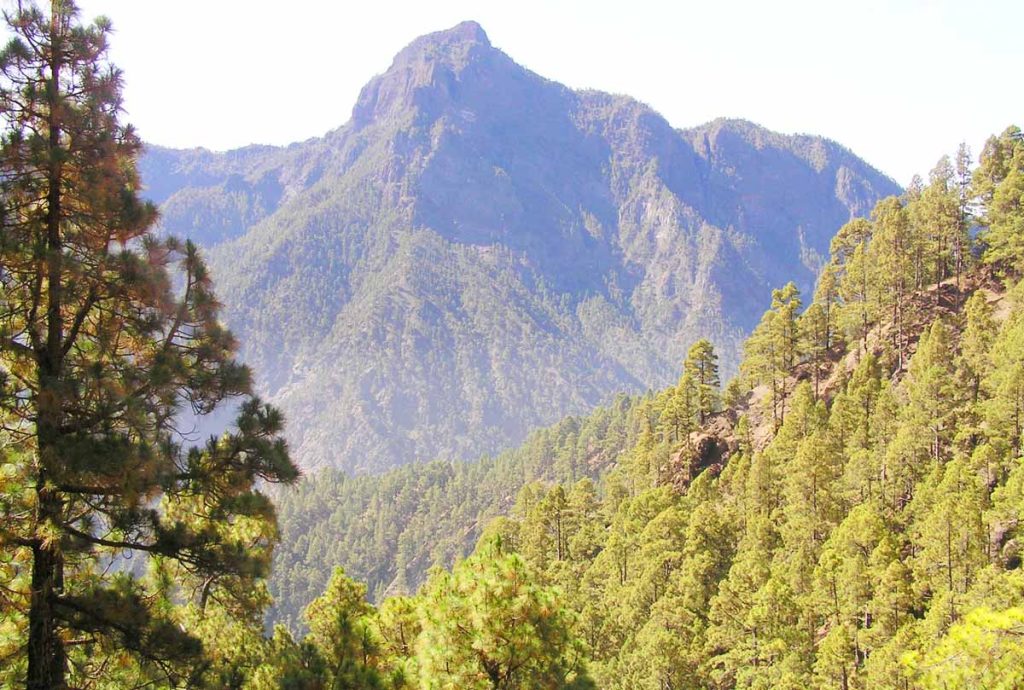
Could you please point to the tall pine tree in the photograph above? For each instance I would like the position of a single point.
(107, 334)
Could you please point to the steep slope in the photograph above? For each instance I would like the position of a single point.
(480, 251)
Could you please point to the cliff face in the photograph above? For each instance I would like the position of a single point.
(480, 251)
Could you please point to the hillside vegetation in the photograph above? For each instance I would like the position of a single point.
(388, 530)
(844, 514)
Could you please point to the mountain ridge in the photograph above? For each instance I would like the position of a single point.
(480, 251)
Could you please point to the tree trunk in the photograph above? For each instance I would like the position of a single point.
(47, 664)
(47, 658)
(47, 661)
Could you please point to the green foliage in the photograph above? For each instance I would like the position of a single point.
(390, 529)
(108, 337)
(851, 264)
(868, 501)
(773, 349)
(341, 629)
(849, 520)
(1004, 411)
(985, 650)
(861, 531)
(701, 366)
(999, 182)
(488, 625)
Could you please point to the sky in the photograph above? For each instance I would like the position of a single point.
(899, 83)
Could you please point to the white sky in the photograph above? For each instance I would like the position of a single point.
(898, 82)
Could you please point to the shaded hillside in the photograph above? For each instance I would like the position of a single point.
(481, 251)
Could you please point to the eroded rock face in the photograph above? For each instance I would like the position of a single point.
(480, 251)
(709, 450)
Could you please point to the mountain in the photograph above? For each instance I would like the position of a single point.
(480, 251)
(908, 379)
(844, 514)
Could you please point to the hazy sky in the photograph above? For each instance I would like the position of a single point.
(900, 82)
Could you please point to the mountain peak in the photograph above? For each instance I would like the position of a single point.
(431, 62)
(450, 45)
(466, 31)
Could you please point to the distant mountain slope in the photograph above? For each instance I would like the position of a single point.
(388, 529)
(480, 251)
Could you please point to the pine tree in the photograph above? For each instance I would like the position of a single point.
(341, 627)
(787, 304)
(965, 213)
(816, 331)
(891, 258)
(680, 410)
(671, 645)
(835, 665)
(950, 537)
(844, 578)
(893, 598)
(544, 534)
(826, 297)
(735, 635)
(849, 251)
(586, 532)
(773, 349)
(984, 651)
(702, 366)
(999, 184)
(932, 398)
(488, 624)
(100, 354)
(1004, 411)
(976, 343)
(940, 221)
(288, 664)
